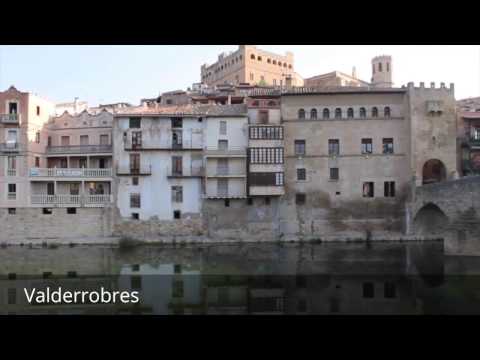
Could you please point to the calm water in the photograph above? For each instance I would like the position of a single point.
(382, 278)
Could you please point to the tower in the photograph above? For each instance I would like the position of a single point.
(382, 71)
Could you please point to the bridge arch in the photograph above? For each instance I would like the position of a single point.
(433, 171)
(430, 220)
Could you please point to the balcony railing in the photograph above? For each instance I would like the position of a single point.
(79, 149)
(231, 151)
(11, 172)
(9, 147)
(9, 118)
(70, 172)
(67, 199)
(186, 172)
(134, 171)
(226, 172)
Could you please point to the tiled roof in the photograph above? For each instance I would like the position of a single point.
(185, 110)
(340, 89)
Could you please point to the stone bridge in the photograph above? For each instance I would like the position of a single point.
(448, 210)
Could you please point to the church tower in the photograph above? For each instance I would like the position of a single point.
(382, 71)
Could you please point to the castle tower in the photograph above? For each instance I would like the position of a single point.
(382, 71)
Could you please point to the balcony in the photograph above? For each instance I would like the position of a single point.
(266, 190)
(79, 149)
(231, 193)
(186, 172)
(230, 152)
(72, 200)
(225, 173)
(9, 118)
(70, 172)
(143, 170)
(10, 147)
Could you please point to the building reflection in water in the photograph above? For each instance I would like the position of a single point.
(267, 279)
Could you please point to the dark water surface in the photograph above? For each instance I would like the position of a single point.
(328, 278)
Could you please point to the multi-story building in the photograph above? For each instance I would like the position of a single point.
(354, 155)
(253, 66)
(469, 141)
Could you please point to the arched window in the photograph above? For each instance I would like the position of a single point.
(259, 58)
(380, 67)
(326, 113)
(374, 112)
(290, 66)
(301, 114)
(269, 61)
(284, 65)
(274, 62)
(350, 113)
(252, 57)
(338, 113)
(279, 63)
(313, 114)
(363, 113)
(386, 112)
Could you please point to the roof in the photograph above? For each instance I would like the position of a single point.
(470, 114)
(335, 74)
(186, 110)
(341, 90)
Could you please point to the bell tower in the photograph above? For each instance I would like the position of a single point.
(382, 71)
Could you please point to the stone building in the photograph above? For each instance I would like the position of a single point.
(253, 66)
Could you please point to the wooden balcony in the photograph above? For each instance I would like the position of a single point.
(70, 173)
(67, 200)
(79, 149)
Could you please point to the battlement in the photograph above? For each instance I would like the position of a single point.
(382, 57)
(411, 85)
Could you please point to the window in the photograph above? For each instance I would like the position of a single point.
(227, 203)
(12, 211)
(368, 189)
(266, 179)
(262, 78)
(269, 61)
(266, 155)
(12, 296)
(302, 305)
(326, 113)
(134, 163)
(363, 113)
(313, 114)
(168, 102)
(338, 113)
(177, 214)
(367, 146)
(350, 113)
(47, 211)
(333, 173)
(37, 137)
(65, 140)
(177, 269)
(389, 188)
(252, 57)
(387, 146)
(301, 114)
(13, 108)
(37, 161)
(177, 194)
(263, 116)
(83, 140)
(12, 191)
(135, 123)
(386, 112)
(49, 141)
(47, 274)
(267, 201)
(135, 216)
(135, 200)
(368, 290)
(12, 166)
(223, 128)
(373, 68)
(300, 198)
(374, 112)
(301, 174)
(71, 210)
(72, 274)
(274, 62)
(389, 290)
(12, 276)
(300, 147)
(222, 187)
(333, 147)
(379, 67)
(38, 110)
(134, 181)
(177, 166)
(251, 76)
(250, 201)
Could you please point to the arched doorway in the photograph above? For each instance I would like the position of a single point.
(433, 171)
(430, 221)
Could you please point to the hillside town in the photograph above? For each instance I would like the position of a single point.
(252, 152)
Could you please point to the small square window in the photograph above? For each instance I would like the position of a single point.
(134, 181)
(177, 214)
(71, 210)
(227, 203)
(177, 268)
(368, 290)
(12, 276)
(12, 211)
(300, 199)
(47, 211)
(135, 123)
(334, 174)
(135, 216)
(135, 267)
(301, 174)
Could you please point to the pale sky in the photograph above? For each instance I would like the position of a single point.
(107, 74)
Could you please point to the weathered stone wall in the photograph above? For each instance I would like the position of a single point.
(30, 225)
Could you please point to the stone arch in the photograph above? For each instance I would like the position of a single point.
(433, 171)
(430, 220)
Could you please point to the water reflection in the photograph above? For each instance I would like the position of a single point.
(381, 278)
